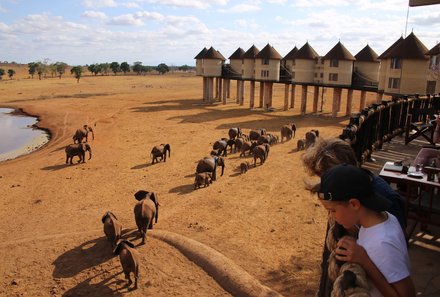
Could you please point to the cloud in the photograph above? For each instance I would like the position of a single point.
(198, 4)
(99, 3)
(126, 20)
(277, 1)
(247, 24)
(242, 8)
(91, 14)
(429, 19)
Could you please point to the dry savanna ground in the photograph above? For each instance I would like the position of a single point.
(50, 213)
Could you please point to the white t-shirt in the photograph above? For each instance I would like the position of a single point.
(386, 246)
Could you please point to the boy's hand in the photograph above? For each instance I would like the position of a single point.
(349, 251)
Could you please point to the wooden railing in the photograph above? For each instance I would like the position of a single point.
(378, 123)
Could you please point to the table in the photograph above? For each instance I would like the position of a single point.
(422, 196)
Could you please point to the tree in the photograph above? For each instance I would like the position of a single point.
(2, 72)
(94, 68)
(125, 67)
(137, 67)
(60, 68)
(184, 68)
(11, 73)
(32, 68)
(77, 71)
(114, 66)
(105, 68)
(162, 68)
(41, 69)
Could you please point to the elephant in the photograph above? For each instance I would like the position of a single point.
(209, 164)
(145, 211)
(78, 149)
(231, 143)
(247, 146)
(273, 139)
(254, 134)
(82, 133)
(160, 151)
(263, 139)
(239, 143)
(203, 178)
(301, 144)
(244, 167)
(129, 259)
(288, 131)
(234, 132)
(311, 138)
(112, 227)
(245, 137)
(261, 152)
(221, 146)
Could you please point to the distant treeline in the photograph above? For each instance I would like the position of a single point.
(43, 69)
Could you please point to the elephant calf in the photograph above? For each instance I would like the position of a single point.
(160, 151)
(83, 133)
(145, 211)
(261, 152)
(301, 144)
(203, 178)
(129, 260)
(79, 150)
(112, 227)
(244, 167)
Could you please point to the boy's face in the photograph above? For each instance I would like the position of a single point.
(344, 213)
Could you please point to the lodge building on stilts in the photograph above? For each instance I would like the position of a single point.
(406, 67)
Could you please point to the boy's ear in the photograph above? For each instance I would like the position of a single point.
(354, 203)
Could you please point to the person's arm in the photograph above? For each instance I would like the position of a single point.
(348, 250)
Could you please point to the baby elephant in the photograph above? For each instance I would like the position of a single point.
(244, 167)
(112, 227)
(145, 211)
(129, 260)
(203, 178)
(301, 144)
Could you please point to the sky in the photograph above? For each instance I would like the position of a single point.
(80, 32)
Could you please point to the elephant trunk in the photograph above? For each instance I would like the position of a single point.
(90, 153)
(223, 169)
(169, 151)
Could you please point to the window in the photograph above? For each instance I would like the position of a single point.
(264, 73)
(334, 63)
(434, 62)
(393, 83)
(316, 74)
(321, 75)
(333, 77)
(265, 61)
(396, 63)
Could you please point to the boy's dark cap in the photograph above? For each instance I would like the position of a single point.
(344, 182)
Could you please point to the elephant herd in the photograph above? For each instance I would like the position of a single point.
(78, 148)
(146, 213)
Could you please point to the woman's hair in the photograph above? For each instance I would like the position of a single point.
(326, 153)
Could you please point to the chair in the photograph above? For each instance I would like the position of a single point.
(422, 123)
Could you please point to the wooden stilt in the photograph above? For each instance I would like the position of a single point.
(270, 92)
(237, 97)
(315, 99)
(241, 92)
(261, 94)
(225, 91)
(220, 89)
(286, 97)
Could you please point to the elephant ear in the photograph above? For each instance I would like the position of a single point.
(105, 216)
(140, 195)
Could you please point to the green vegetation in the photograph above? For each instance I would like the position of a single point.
(11, 73)
(2, 72)
(77, 72)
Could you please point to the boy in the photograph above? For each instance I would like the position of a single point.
(346, 191)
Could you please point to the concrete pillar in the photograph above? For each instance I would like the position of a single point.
(292, 96)
(210, 89)
(261, 94)
(315, 98)
(252, 94)
(363, 100)
(241, 92)
(270, 93)
(215, 86)
(349, 102)
(303, 99)
(225, 92)
(336, 100)
(286, 97)
(204, 89)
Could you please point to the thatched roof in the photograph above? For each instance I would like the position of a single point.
(434, 51)
(251, 52)
(306, 52)
(367, 54)
(339, 52)
(268, 52)
(390, 48)
(290, 54)
(213, 54)
(202, 53)
(238, 54)
(409, 48)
